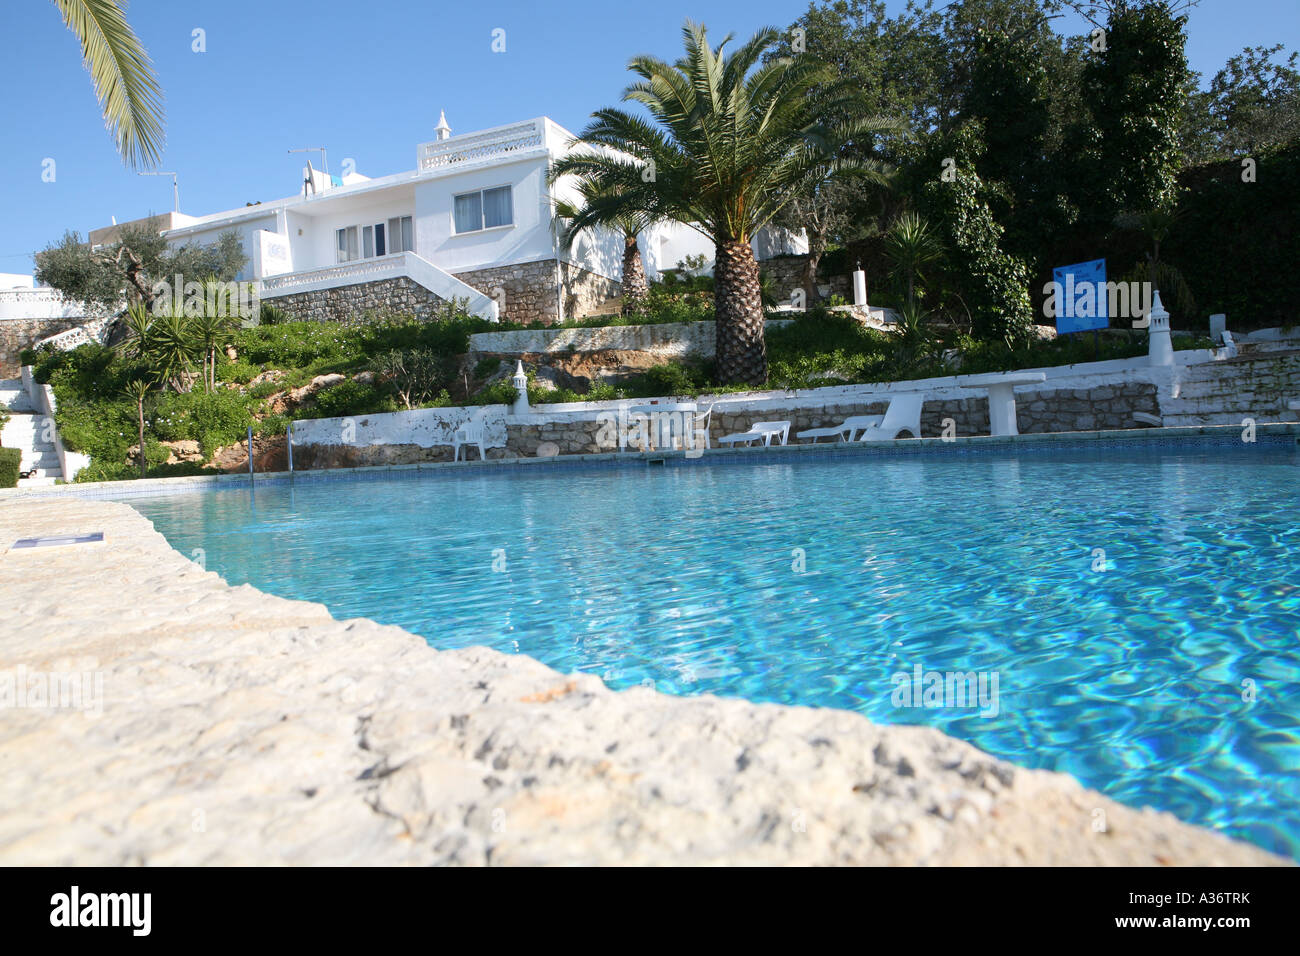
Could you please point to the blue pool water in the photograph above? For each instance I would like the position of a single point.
(816, 581)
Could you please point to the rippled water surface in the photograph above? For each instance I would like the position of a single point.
(815, 582)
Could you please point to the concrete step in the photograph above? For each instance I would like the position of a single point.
(38, 480)
(16, 400)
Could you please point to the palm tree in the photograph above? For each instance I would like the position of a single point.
(602, 205)
(123, 77)
(731, 139)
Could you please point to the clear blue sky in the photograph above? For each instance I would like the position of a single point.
(366, 80)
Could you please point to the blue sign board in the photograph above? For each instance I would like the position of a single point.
(1082, 300)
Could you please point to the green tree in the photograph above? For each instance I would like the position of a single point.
(1252, 105)
(1136, 90)
(125, 271)
(730, 141)
(123, 77)
(993, 284)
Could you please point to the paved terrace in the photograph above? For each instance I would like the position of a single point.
(239, 728)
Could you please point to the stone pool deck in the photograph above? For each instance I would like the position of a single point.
(241, 728)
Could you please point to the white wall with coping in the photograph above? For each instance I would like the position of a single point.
(42, 396)
(38, 303)
(423, 427)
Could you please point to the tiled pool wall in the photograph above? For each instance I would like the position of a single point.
(1272, 439)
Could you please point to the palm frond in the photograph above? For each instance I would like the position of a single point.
(122, 75)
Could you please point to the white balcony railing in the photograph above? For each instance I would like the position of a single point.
(475, 147)
(348, 273)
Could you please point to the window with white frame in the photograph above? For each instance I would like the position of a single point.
(380, 239)
(484, 209)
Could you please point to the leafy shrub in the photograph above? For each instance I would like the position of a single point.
(672, 378)
(486, 367)
(272, 315)
(500, 392)
(214, 420)
(10, 464)
(416, 375)
(352, 398)
(240, 371)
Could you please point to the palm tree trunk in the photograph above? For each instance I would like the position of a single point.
(635, 289)
(737, 300)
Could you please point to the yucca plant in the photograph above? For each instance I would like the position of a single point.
(732, 137)
(122, 75)
(213, 330)
(911, 247)
(165, 344)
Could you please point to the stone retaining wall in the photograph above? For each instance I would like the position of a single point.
(786, 274)
(534, 291)
(360, 303)
(19, 334)
(1059, 410)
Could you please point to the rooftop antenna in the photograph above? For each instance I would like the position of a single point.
(176, 192)
(324, 160)
(308, 181)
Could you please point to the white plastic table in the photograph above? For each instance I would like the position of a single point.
(1002, 396)
(663, 436)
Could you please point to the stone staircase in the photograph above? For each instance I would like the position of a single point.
(26, 430)
(1254, 385)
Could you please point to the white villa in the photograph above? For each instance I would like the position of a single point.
(472, 221)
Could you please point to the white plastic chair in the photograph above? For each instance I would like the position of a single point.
(902, 415)
(471, 433)
(759, 431)
(700, 431)
(844, 430)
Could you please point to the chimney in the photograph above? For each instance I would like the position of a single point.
(442, 129)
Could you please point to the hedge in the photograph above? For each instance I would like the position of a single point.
(10, 462)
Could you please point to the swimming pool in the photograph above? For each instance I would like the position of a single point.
(1136, 609)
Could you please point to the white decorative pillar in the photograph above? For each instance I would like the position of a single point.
(860, 287)
(520, 382)
(1160, 350)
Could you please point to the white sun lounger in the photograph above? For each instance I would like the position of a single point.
(845, 430)
(903, 415)
(759, 431)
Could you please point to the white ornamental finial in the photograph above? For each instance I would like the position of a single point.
(442, 129)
